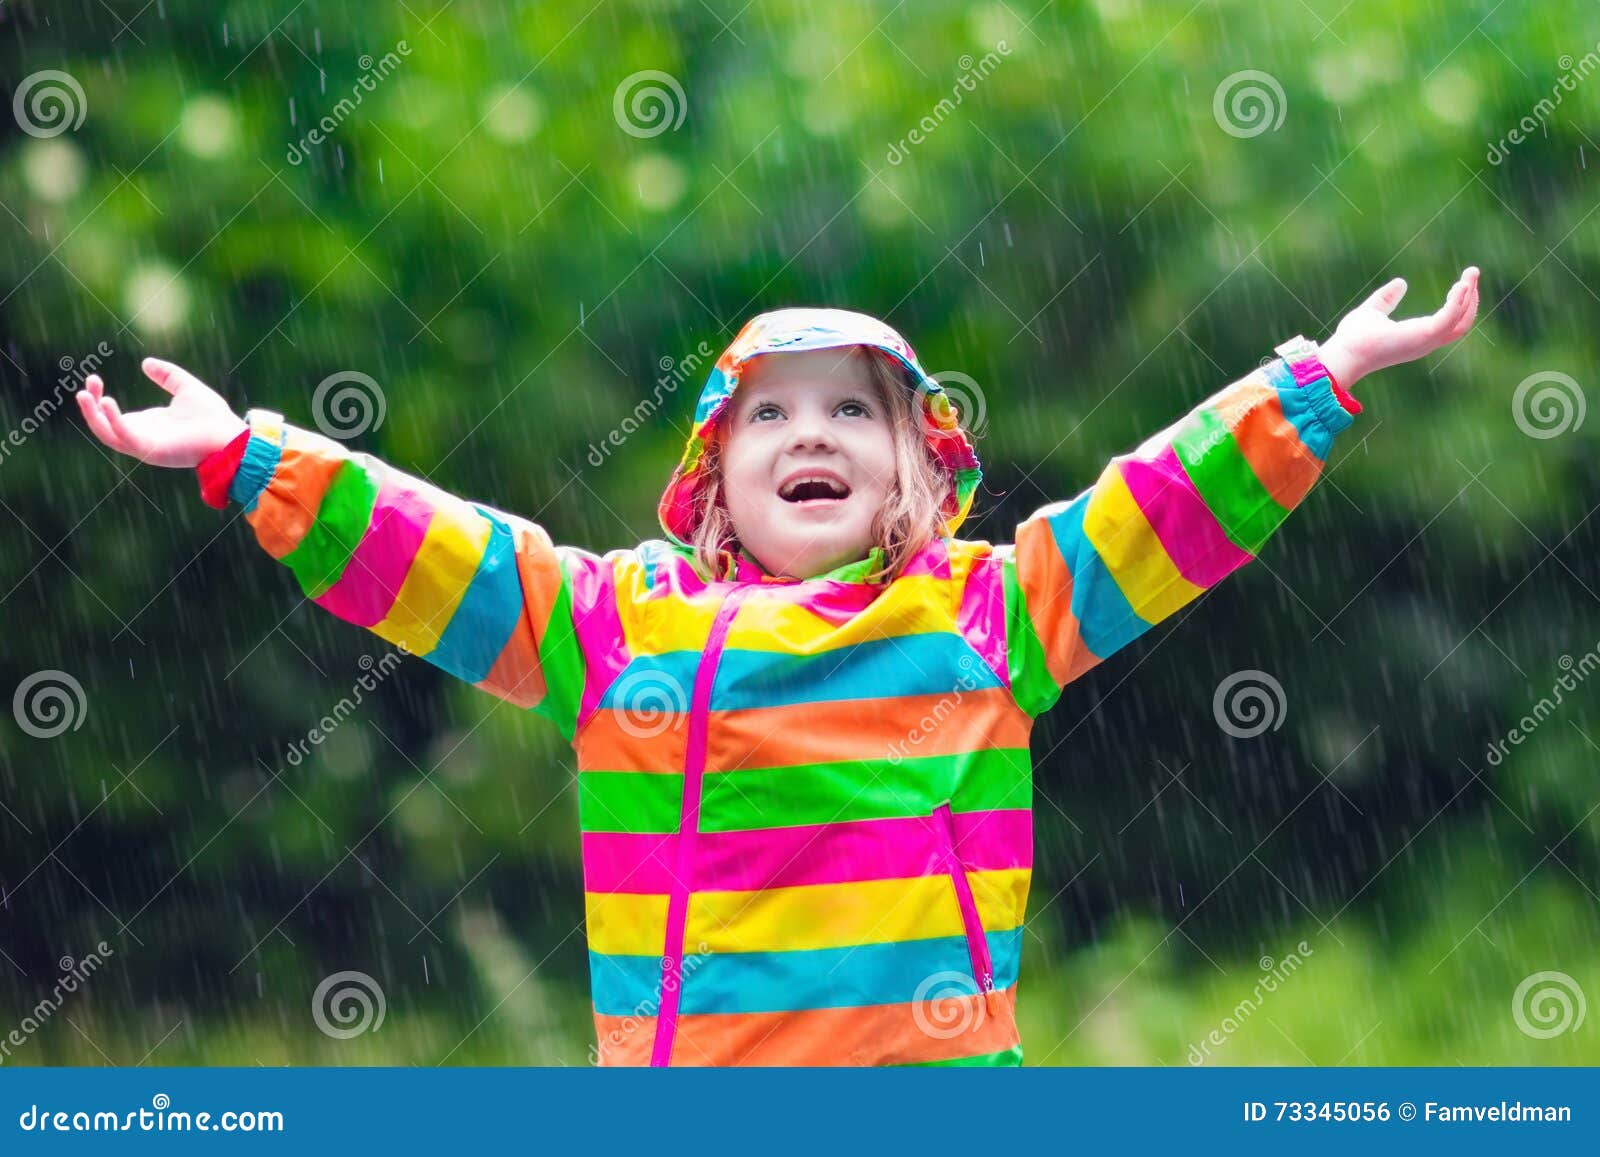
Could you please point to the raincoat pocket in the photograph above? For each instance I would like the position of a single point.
(972, 924)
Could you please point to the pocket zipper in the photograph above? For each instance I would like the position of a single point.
(977, 942)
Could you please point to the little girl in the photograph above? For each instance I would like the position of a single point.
(801, 720)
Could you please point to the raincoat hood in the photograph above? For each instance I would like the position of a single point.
(794, 330)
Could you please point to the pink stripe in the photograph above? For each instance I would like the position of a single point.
(598, 625)
(982, 620)
(373, 576)
(1183, 522)
(839, 853)
(932, 559)
(675, 576)
(694, 766)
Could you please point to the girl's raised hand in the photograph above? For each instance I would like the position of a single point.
(195, 422)
(1369, 339)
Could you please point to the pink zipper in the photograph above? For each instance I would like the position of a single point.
(977, 942)
(694, 766)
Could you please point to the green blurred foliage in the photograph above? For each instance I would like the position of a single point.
(1079, 235)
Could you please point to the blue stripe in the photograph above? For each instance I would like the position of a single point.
(488, 611)
(653, 683)
(929, 664)
(867, 974)
(255, 469)
(1106, 620)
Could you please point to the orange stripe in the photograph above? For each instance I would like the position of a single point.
(287, 508)
(516, 676)
(607, 746)
(881, 1034)
(1263, 434)
(1047, 587)
(840, 732)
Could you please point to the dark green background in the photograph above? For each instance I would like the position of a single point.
(1080, 237)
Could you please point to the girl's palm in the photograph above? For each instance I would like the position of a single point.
(193, 424)
(1371, 340)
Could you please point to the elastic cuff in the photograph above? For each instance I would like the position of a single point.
(218, 468)
(261, 455)
(1346, 398)
(1302, 358)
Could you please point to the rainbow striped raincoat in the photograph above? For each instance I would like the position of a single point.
(807, 835)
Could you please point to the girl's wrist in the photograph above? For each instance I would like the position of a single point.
(1343, 365)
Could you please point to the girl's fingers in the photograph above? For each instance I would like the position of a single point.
(98, 424)
(164, 374)
(94, 385)
(1450, 313)
(1387, 297)
(119, 426)
(1468, 315)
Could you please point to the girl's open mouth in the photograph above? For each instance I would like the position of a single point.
(814, 490)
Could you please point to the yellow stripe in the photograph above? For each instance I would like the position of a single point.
(840, 915)
(813, 916)
(621, 924)
(917, 604)
(439, 576)
(1132, 552)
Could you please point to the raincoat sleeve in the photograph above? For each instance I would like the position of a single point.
(481, 594)
(1165, 522)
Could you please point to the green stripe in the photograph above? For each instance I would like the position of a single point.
(1006, 1059)
(825, 793)
(341, 520)
(561, 661)
(818, 793)
(1223, 476)
(1032, 685)
(629, 801)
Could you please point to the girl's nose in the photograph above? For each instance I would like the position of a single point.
(811, 432)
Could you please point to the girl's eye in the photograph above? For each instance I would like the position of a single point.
(854, 410)
(760, 412)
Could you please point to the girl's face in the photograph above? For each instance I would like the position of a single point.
(808, 461)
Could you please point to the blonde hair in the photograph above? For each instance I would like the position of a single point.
(913, 515)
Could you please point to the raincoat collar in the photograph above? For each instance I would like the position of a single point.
(790, 331)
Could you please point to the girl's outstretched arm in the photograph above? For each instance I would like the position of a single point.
(1198, 500)
(481, 594)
